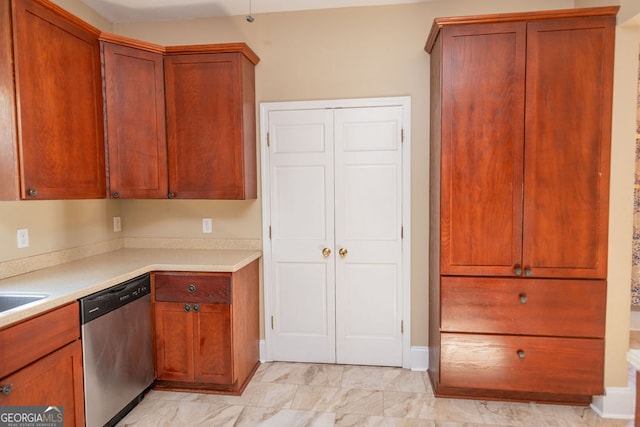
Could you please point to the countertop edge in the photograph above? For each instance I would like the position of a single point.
(58, 299)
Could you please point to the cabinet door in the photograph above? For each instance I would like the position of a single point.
(210, 126)
(136, 135)
(173, 341)
(59, 98)
(482, 148)
(55, 380)
(568, 131)
(213, 347)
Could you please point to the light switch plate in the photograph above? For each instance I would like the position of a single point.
(117, 225)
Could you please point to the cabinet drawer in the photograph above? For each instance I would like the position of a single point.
(519, 363)
(214, 288)
(574, 308)
(27, 341)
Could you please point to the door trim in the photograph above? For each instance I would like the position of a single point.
(405, 103)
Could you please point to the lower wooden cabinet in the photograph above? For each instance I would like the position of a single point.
(206, 329)
(54, 380)
(41, 363)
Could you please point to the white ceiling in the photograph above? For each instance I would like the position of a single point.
(160, 10)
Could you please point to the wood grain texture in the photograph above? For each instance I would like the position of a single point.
(136, 131)
(55, 380)
(212, 288)
(31, 339)
(210, 152)
(552, 365)
(59, 114)
(567, 308)
(222, 338)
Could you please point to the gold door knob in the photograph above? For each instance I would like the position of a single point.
(326, 252)
(343, 252)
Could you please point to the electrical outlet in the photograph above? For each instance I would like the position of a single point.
(207, 225)
(117, 225)
(22, 236)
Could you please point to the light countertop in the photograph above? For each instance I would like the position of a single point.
(70, 281)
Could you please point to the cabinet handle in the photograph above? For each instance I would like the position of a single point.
(527, 271)
(196, 307)
(521, 354)
(192, 287)
(32, 192)
(171, 195)
(523, 298)
(6, 389)
(115, 195)
(517, 270)
(187, 308)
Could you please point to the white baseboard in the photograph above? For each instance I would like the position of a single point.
(419, 358)
(618, 403)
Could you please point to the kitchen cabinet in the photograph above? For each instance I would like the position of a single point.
(136, 133)
(519, 193)
(210, 103)
(41, 363)
(206, 329)
(52, 128)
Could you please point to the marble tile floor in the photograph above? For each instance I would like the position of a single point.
(300, 394)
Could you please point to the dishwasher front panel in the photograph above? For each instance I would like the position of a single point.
(118, 360)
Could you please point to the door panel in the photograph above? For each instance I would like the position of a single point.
(566, 190)
(482, 149)
(301, 191)
(368, 214)
(336, 183)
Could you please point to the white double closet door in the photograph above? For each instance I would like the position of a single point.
(335, 273)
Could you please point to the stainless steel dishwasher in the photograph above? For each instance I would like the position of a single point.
(117, 350)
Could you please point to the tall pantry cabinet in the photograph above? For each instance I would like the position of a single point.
(520, 153)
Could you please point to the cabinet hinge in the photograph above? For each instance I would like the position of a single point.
(268, 140)
(402, 326)
(272, 322)
(402, 231)
(269, 232)
(402, 135)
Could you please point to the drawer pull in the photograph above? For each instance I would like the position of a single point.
(187, 308)
(521, 354)
(192, 288)
(6, 389)
(523, 298)
(196, 307)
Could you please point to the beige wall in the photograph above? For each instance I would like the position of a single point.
(343, 53)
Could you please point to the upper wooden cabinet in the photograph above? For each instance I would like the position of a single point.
(52, 144)
(136, 134)
(207, 149)
(210, 98)
(523, 131)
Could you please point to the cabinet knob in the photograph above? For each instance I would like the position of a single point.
(196, 307)
(326, 252)
(517, 270)
(171, 195)
(521, 354)
(343, 252)
(187, 308)
(32, 192)
(192, 287)
(6, 389)
(527, 271)
(523, 298)
(115, 195)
